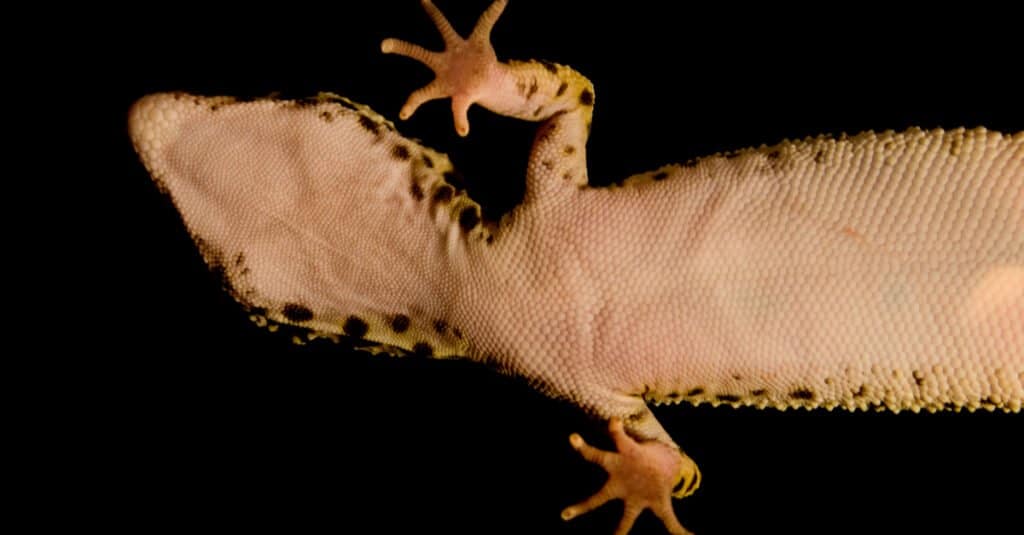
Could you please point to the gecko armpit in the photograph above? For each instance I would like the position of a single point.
(708, 241)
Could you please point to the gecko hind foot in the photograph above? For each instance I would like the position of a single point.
(643, 475)
(465, 71)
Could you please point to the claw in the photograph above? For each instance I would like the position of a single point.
(642, 475)
(465, 70)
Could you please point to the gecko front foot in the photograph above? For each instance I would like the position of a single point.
(465, 71)
(643, 475)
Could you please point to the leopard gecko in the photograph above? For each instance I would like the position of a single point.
(873, 271)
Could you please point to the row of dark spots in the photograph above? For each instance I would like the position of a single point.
(799, 393)
(355, 327)
(469, 217)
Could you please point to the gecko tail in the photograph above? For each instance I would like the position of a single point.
(316, 213)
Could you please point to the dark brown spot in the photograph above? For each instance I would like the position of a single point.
(416, 191)
(428, 162)
(400, 152)
(918, 378)
(548, 164)
(569, 149)
(533, 89)
(400, 323)
(457, 332)
(587, 97)
(567, 175)
(819, 156)
(802, 393)
(326, 116)
(561, 89)
(728, 398)
(355, 327)
(444, 194)
(490, 240)
(422, 349)
(239, 259)
(759, 392)
(861, 392)
(551, 67)
(369, 124)
(468, 218)
(662, 175)
(637, 416)
(297, 313)
(674, 395)
(537, 111)
(441, 326)
(695, 392)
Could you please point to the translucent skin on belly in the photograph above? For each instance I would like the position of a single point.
(884, 270)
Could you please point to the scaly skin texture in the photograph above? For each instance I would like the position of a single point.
(879, 271)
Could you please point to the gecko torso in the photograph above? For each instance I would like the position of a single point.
(883, 270)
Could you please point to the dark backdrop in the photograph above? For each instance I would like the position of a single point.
(206, 421)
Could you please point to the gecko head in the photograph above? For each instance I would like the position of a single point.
(689, 477)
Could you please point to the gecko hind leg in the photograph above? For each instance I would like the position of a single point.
(643, 475)
(466, 69)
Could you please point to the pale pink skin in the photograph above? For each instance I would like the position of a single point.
(881, 271)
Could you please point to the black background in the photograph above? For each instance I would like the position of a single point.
(204, 421)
